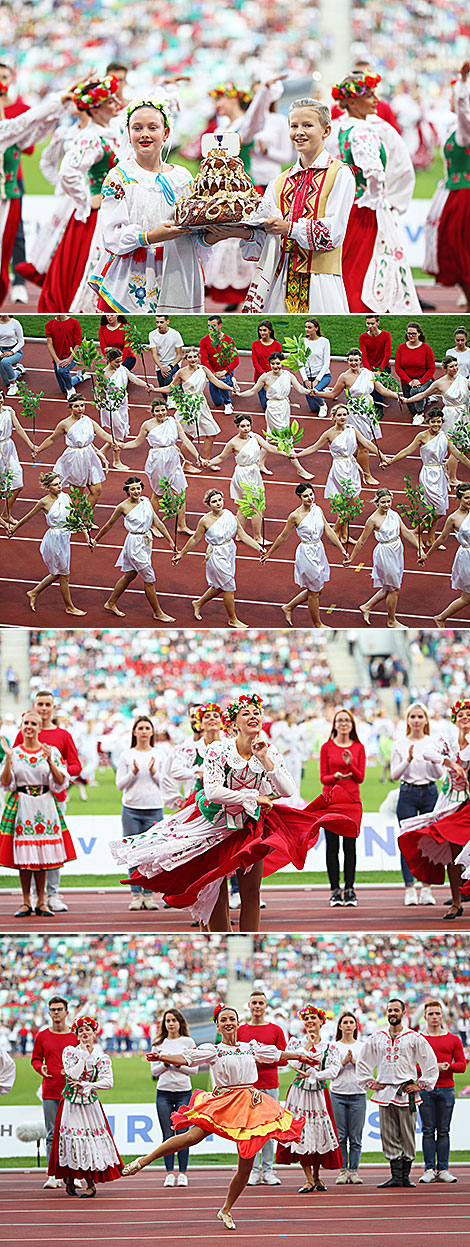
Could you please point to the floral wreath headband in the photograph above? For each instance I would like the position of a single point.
(219, 1008)
(231, 91)
(4, 88)
(163, 106)
(92, 1022)
(91, 97)
(311, 1011)
(202, 710)
(462, 704)
(359, 86)
(244, 700)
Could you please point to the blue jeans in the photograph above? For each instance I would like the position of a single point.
(379, 399)
(414, 799)
(133, 822)
(263, 398)
(167, 1103)
(435, 1113)
(49, 1108)
(349, 1112)
(409, 391)
(315, 403)
(220, 397)
(65, 380)
(8, 371)
(166, 378)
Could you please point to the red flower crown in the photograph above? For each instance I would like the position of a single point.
(359, 86)
(229, 89)
(245, 699)
(463, 703)
(202, 710)
(91, 97)
(85, 1021)
(311, 1011)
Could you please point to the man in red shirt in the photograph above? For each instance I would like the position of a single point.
(438, 1105)
(376, 349)
(268, 1080)
(210, 356)
(63, 741)
(46, 1059)
(63, 334)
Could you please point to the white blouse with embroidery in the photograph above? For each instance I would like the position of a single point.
(235, 782)
(396, 1061)
(92, 1069)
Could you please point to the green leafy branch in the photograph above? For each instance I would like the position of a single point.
(419, 512)
(30, 402)
(226, 352)
(346, 505)
(139, 344)
(170, 502)
(6, 481)
(286, 438)
(108, 397)
(296, 352)
(253, 502)
(79, 513)
(460, 436)
(189, 408)
(388, 382)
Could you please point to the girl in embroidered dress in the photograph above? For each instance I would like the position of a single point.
(434, 448)
(359, 384)
(9, 461)
(235, 1109)
(83, 1146)
(55, 545)
(162, 432)
(457, 523)
(219, 527)
(311, 568)
(81, 463)
(118, 376)
(454, 391)
(344, 444)
(387, 561)
(149, 263)
(447, 229)
(33, 835)
(140, 520)
(309, 1101)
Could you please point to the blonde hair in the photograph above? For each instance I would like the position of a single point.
(418, 705)
(338, 407)
(46, 479)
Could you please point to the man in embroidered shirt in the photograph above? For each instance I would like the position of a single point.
(438, 1105)
(395, 1053)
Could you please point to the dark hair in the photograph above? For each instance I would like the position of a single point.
(117, 65)
(347, 1014)
(275, 355)
(112, 352)
(461, 329)
(122, 320)
(382, 492)
(300, 489)
(44, 692)
(354, 350)
(312, 320)
(371, 316)
(414, 324)
(449, 359)
(344, 710)
(89, 87)
(159, 401)
(3, 65)
(267, 325)
(217, 318)
(58, 1000)
(258, 991)
(461, 489)
(210, 494)
(75, 398)
(434, 411)
(241, 416)
(163, 1033)
(132, 480)
(395, 1000)
(142, 718)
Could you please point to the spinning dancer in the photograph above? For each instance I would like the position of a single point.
(344, 442)
(311, 568)
(277, 385)
(249, 449)
(454, 391)
(149, 263)
(388, 560)
(234, 1109)
(359, 384)
(434, 448)
(9, 461)
(163, 460)
(377, 276)
(219, 527)
(140, 520)
(193, 377)
(447, 230)
(55, 545)
(457, 522)
(118, 376)
(83, 1146)
(80, 462)
(309, 1101)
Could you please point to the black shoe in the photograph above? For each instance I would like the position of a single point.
(70, 1188)
(397, 1174)
(406, 1165)
(89, 1193)
(43, 911)
(454, 912)
(336, 897)
(350, 897)
(24, 912)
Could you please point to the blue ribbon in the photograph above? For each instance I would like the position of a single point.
(167, 189)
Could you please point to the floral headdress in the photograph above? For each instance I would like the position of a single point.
(245, 699)
(4, 88)
(219, 1008)
(161, 103)
(463, 703)
(91, 97)
(85, 1021)
(231, 91)
(202, 710)
(358, 86)
(311, 1011)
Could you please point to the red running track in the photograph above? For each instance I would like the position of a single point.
(138, 1210)
(289, 910)
(260, 591)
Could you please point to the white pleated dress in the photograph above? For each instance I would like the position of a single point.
(247, 470)
(164, 457)
(55, 545)
(455, 403)
(83, 1141)
(208, 427)
(79, 464)
(9, 461)
(432, 477)
(344, 467)
(221, 553)
(461, 565)
(308, 1100)
(311, 568)
(362, 387)
(119, 379)
(388, 561)
(136, 553)
(277, 412)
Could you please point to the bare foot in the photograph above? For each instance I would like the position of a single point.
(190, 531)
(366, 612)
(32, 599)
(213, 469)
(267, 471)
(109, 606)
(121, 467)
(164, 618)
(439, 621)
(393, 623)
(288, 614)
(73, 610)
(236, 623)
(188, 467)
(195, 606)
(371, 480)
(306, 476)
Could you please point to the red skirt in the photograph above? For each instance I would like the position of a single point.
(30, 273)
(280, 835)
(453, 240)
(243, 1114)
(426, 848)
(92, 1175)
(358, 248)
(8, 242)
(327, 1160)
(68, 265)
(230, 294)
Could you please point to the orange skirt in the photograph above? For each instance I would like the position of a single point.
(243, 1114)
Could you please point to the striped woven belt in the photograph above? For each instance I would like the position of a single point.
(241, 1086)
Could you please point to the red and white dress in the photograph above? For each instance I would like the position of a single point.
(83, 1146)
(308, 1099)
(33, 835)
(17, 133)
(447, 229)
(426, 840)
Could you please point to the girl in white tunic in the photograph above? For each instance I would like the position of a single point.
(149, 263)
(387, 562)
(9, 461)
(358, 384)
(193, 377)
(311, 568)
(454, 389)
(135, 559)
(219, 527)
(83, 1146)
(309, 1100)
(249, 449)
(55, 546)
(344, 444)
(162, 432)
(235, 1109)
(459, 524)
(434, 448)
(278, 384)
(82, 463)
(119, 376)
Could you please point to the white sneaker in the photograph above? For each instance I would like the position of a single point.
(271, 1179)
(52, 1184)
(19, 294)
(355, 1178)
(170, 1180)
(234, 901)
(57, 905)
(426, 897)
(343, 1178)
(428, 1176)
(85, 376)
(182, 1180)
(20, 369)
(254, 1178)
(411, 896)
(443, 1175)
(149, 902)
(12, 390)
(137, 902)
(228, 409)
(322, 411)
(419, 419)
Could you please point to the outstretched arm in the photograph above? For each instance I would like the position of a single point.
(335, 390)
(407, 450)
(247, 540)
(22, 432)
(366, 532)
(282, 537)
(448, 528)
(39, 506)
(119, 510)
(434, 388)
(159, 525)
(142, 434)
(59, 431)
(408, 535)
(254, 389)
(221, 385)
(186, 442)
(302, 389)
(308, 450)
(224, 454)
(192, 541)
(333, 537)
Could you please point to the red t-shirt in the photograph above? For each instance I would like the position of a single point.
(331, 760)
(384, 111)
(48, 1046)
(65, 334)
(270, 1033)
(209, 357)
(417, 364)
(260, 355)
(115, 337)
(448, 1047)
(376, 349)
(64, 742)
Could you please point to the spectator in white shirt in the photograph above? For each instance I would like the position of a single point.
(461, 351)
(11, 352)
(317, 368)
(416, 762)
(166, 345)
(138, 778)
(349, 1101)
(173, 1085)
